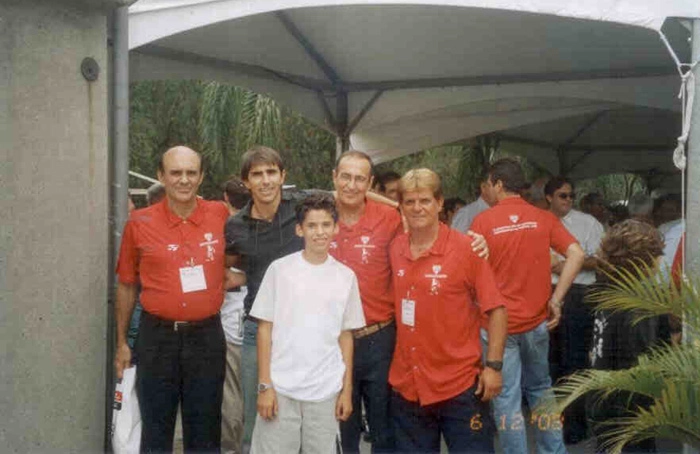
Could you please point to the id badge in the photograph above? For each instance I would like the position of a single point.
(192, 279)
(408, 312)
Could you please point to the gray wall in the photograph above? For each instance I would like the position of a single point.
(53, 227)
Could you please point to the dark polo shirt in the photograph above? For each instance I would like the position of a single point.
(259, 242)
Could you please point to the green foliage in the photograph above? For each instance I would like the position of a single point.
(460, 166)
(222, 122)
(669, 375)
(613, 188)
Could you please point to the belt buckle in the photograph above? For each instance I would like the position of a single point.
(178, 324)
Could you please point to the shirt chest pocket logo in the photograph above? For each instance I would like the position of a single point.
(209, 242)
(366, 248)
(435, 279)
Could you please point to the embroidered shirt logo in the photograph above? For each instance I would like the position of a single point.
(209, 243)
(401, 273)
(435, 279)
(513, 218)
(173, 247)
(365, 246)
(334, 245)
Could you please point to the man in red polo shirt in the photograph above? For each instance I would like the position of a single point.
(176, 249)
(519, 237)
(366, 228)
(439, 385)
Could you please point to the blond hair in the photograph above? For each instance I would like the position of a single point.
(417, 179)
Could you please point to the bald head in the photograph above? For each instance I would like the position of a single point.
(180, 172)
(179, 150)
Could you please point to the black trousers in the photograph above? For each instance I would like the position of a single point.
(372, 359)
(185, 366)
(570, 344)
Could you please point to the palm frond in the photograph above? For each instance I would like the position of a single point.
(668, 375)
(673, 416)
(644, 291)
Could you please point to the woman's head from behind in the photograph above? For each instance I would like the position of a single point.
(631, 242)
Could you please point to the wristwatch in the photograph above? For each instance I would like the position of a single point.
(262, 387)
(495, 365)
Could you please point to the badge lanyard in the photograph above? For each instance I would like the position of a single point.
(191, 276)
(408, 304)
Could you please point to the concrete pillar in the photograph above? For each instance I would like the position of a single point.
(54, 228)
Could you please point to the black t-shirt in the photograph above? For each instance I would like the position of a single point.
(259, 242)
(618, 341)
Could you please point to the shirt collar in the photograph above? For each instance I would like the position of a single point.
(368, 214)
(569, 215)
(195, 217)
(512, 201)
(247, 210)
(438, 247)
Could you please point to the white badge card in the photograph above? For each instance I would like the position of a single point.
(192, 279)
(408, 312)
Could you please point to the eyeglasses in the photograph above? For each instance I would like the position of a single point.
(566, 195)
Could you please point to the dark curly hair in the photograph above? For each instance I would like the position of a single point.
(631, 242)
(316, 201)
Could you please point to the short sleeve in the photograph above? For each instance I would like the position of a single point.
(353, 316)
(487, 293)
(127, 265)
(397, 223)
(477, 226)
(232, 232)
(264, 304)
(559, 238)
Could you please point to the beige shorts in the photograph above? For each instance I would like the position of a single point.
(307, 426)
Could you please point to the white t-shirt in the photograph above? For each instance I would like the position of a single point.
(672, 233)
(308, 305)
(232, 314)
(589, 233)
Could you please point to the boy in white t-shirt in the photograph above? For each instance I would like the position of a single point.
(307, 306)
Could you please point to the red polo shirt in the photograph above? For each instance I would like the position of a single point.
(519, 236)
(157, 243)
(364, 247)
(440, 356)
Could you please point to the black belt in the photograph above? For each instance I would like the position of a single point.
(177, 325)
(371, 329)
(234, 289)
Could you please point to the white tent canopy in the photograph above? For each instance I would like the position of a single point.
(581, 88)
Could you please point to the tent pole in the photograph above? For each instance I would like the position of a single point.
(342, 141)
(693, 175)
(692, 221)
(119, 167)
(341, 146)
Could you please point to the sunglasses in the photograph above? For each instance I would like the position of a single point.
(566, 195)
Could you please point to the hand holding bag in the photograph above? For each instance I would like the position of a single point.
(126, 416)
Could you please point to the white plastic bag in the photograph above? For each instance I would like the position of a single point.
(126, 417)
